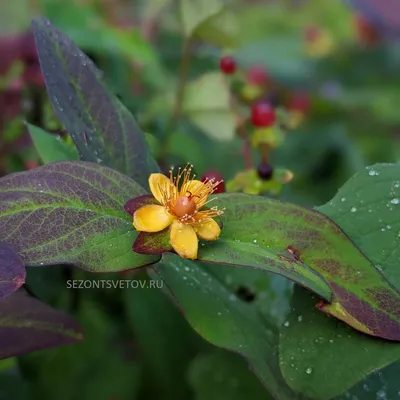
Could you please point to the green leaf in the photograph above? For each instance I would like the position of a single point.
(307, 247)
(322, 357)
(224, 373)
(220, 29)
(101, 127)
(222, 319)
(70, 212)
(166, 342)
(207, 105)
(367, 208)
(193, 13)
(49, 147)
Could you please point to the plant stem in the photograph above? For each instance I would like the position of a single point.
(265, 150)
(180, 93)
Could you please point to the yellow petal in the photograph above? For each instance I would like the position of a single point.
(208, 230)
(152, 218)
(198, 188)
(184, 240)
(160, 184)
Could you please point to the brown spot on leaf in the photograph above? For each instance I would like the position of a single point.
(294, 251)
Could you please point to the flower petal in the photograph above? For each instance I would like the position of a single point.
(184, 240)
(208, 230)
(160, 184)
(152, 218)
(198, 188)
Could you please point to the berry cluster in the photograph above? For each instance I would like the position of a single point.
(270, 112)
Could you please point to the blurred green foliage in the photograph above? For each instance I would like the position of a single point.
(138, 345)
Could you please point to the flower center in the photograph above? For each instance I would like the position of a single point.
(184, 206)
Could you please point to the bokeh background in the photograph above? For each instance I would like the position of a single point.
(331, 70)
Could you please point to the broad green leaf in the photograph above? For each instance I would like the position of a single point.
(221, 29)
(12, 270)
(322, 357)
(382, 384)
(216, 314)
(224, 373)
(193, 13)
(50, 147)
(167, 343)
(264, 233)
(103, 130)
(367, 208)
(207, 105)
(70, 212)
(27, 324)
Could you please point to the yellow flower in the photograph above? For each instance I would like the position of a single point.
(180, 201)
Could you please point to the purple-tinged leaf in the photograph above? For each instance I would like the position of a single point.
(309, 248)
(135, 203)
(154, 243)
(12, 271)
(102, 128)
(27, 325)
(73, 213)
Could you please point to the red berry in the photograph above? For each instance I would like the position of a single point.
(30, 164)
(217, 178)
(262, 115)
(227, 65)
(300, 102)
(265, 171)
(312, 33)
(257, 75)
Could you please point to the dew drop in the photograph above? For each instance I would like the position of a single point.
(300, 318)
(353, 209)
(372, 172)
(185, 278)
(219, 313)
(309, 370)
(187, 269)
(343, 199)
(330, 340)
(381, 395)
(286, 323)
(255, 240)
(395, 201)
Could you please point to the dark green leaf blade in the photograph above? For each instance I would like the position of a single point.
(216, 314)
(49, 147)
(103, 130)
(307, 247)
(27, 324)
(367, 208)
(224, 373)
(70, 212)
(322, 357)
(12, 270)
